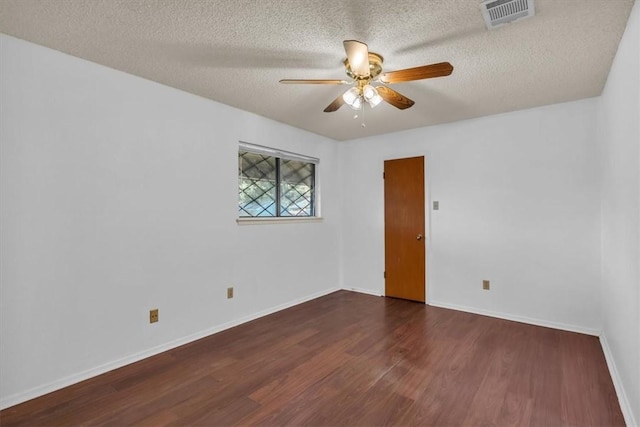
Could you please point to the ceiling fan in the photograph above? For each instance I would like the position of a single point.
(365, 68)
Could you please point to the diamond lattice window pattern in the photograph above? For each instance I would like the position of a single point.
(257, 189)
(270, 186)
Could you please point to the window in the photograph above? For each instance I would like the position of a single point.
(274, 183)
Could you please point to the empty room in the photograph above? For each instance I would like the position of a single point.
(332, 213)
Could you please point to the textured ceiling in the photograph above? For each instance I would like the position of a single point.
(236, 51)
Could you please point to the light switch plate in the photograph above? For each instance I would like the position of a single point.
(436, 205)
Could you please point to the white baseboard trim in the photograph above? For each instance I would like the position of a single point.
(617, 383)
(110, 366)
(517, 318)
(364, 291)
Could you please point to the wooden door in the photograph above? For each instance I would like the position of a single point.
(404, 229)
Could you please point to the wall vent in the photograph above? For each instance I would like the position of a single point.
(497, 13)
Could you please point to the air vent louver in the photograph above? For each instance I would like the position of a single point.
(500, 12)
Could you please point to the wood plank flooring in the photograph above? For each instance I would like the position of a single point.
(354, 360)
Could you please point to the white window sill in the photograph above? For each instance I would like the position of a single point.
(278, 220)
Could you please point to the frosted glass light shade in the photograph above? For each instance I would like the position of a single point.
(377, 99)
(369, 92)
(356, 104)
(350, 96)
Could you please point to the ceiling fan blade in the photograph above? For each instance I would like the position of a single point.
(394, 98)
(313, 82)
(337, 103)
(418, 73)
(358, 56)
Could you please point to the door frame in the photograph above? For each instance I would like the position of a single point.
(427, 220)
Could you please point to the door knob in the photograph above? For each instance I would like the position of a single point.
(419, 237)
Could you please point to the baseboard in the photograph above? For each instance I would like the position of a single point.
(617, 383)
(110, 366)
(364, 291)
(516, 318)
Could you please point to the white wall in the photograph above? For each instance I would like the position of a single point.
(518, 197)
(619, 135)
(120, 195)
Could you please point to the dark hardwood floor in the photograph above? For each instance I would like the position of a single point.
(354, 360)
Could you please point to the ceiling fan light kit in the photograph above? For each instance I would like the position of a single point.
(365, 68)
(357, 95)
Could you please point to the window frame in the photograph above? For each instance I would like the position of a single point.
(282, 155)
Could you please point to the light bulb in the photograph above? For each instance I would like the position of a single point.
(350, 96)
(369, 92)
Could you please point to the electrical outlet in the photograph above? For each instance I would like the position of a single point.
(486, 285)
(229, 292)
(153, 315)
(436, 205)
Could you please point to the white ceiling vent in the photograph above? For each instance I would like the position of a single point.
(499, 12)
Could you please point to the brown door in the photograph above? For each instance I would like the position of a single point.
(404, 241)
